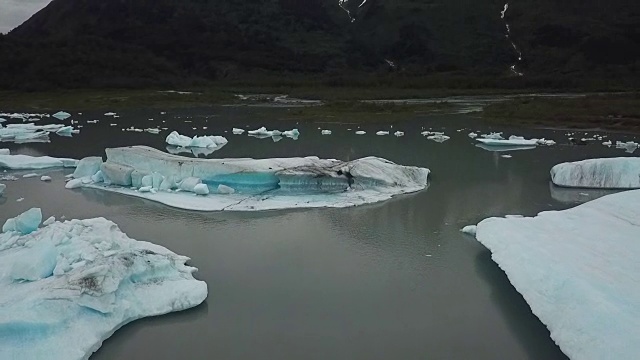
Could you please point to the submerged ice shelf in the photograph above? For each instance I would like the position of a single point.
(578, 271)
(247, 184)
(68, 286)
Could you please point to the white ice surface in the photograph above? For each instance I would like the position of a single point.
(611, 173)
(90, 280)
(26, 162)
(175, 139)
(579, 272)
(510, 142)
(257, 184)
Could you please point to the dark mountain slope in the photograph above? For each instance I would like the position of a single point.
(77, 43)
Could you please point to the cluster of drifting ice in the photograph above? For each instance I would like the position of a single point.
(513, 140)
(578, 271)
(210, 142)
(629, 146)
(22, 116)
(67, 287)
(613, 173)
(26, 133)
(26, 162)
(276, 135)
(247, 184)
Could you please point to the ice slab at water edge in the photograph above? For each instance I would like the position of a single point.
(67, 287)
(26, 162)
(255, 184)
(579, 272)
(611, 173)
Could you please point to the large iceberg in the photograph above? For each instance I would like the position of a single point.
(252, 184)
(67, 287)
(579, 272)
(612, 173)
(26, 162)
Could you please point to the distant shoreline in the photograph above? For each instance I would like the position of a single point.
(605, 111)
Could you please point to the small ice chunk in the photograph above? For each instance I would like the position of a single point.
(398, 133)
(49, 221)
(360, 132)
(471, 230)
(110, 114)
(237, 131)
(473, 135)
(608, 143)
(25, 223)
(97, 177)
(189, 184)
(293, 134)
(145, 189)
(382, 133)
(201, 189)
(74, 184)
(326, 132)
(440, 138)
(506, 156)
(37, 263)
(31, 175)
(154, 131)
(224, 189)
(61, 115)
(87, 167)
(45, 178)
(20, 199)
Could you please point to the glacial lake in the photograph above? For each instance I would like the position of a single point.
(393, 280)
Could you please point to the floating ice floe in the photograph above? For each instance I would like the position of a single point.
(237, 131)
(382, 133)
(92, 121)
(20, 116)
(292, 134)
(629, 146)
(69, 286)
(398, 133)
(45, 178)
(438, 137)
(506, 156)
(154, 131)
(26, 162)
(67, 131)
(612, 173)
(515, 141)
(30, 175)
(252, 184)
(360, 132)
(110, 114)
(61, 115)
(176, 139)
(578, 271)
(326, 132)
(473, 135)
(26, 133)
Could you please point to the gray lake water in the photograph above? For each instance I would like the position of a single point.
(394, 280)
